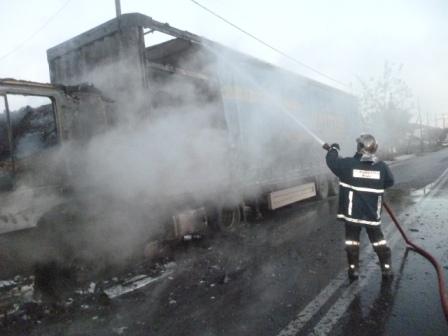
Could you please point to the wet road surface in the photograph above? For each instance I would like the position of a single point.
(410, 304)
(284, 275)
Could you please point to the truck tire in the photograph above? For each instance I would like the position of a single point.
(322, 187)
(227, 219)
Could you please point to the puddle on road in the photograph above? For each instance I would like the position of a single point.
(419, 193)
(408, 195)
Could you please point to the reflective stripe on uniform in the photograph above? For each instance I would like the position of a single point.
(359, 221)
(351, 242)
(350, 202)
(372, 190)
(381, 242)
(367, 174)
(378, 207)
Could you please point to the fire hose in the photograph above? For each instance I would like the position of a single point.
(428, 256)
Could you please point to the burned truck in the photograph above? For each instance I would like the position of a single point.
(192, 134)
(272, 159)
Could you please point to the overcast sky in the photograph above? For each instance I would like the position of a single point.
(345, 39)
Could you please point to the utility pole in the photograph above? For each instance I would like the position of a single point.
(118, 8)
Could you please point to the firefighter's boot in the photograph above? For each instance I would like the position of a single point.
(384, 256)
(353, 262)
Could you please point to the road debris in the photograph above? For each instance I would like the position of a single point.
(7, 284)
(120, 330)
(133, 284)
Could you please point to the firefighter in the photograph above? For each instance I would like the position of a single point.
(362, 181)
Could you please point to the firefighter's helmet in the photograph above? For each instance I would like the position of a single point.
(366, 144)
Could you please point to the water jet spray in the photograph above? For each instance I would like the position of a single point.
(265, 93)
(327, 147)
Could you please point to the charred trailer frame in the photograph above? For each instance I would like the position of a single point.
(94, 55)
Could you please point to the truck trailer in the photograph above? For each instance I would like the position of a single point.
(170, 135)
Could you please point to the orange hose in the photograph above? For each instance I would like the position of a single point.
(427, 255)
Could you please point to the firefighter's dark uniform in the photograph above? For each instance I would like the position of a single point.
(361, 188)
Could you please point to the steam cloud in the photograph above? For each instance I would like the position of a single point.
(175, 145)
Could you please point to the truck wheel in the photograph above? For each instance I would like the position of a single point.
(322, 188)
(228, 219)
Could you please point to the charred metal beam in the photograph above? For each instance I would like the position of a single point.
(125, 21)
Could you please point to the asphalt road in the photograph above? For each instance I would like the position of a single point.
(284, 275)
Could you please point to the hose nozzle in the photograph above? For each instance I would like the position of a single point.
(326, 146)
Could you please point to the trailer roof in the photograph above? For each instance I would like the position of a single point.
(19, 82)
(143, 21)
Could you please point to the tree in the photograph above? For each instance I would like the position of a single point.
(387, 106)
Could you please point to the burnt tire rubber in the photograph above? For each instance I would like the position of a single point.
(228, 219)
(322, 187)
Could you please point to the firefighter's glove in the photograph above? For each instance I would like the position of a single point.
(326, 146)
(335, 146)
